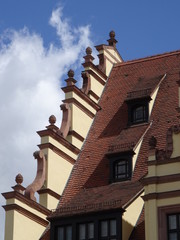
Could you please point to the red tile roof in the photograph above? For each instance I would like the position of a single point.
(91, 171)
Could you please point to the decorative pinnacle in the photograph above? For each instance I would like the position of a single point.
(70, 73)
(112, 41)
(88, 51)
(112, 34)
(52, 119)
(19, 179)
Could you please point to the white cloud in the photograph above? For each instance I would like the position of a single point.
(30, 81)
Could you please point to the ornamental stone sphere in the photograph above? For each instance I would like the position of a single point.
(88, 51)
(19, 179)
(112, 34)
(52, 119)
(70, 73)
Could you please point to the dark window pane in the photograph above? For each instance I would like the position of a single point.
(172, 222)
(104, 229)
(69, 233)
(112, 227)
(60, 233)
(82, 231)
(173, 236)
(90, 230)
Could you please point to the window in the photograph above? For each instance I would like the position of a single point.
(174, 227)
(64, 232)
(138, 111)
(86, 231)
(122, 170)
(139, 114)
(120, 166)
(108, 229)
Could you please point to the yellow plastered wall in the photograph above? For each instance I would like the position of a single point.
(130, 217)
(151, 205)
(151, 220)
(48, 201)
(76, 142)
(58, 171)
(176, 145)
(25, 228)
(81, 122)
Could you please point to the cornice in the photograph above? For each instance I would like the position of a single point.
(50, 192)
(29, 202)
(85, 97)
(76, 135)
(58, 151)
(162, 179)
(26, 213)
(161, 195)
(80, 106)
(60, 139)
(94, 67)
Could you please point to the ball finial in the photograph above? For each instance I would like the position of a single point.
(112, 34)
(70, 73)
(52, 119)
(19, 179)
(88, 51)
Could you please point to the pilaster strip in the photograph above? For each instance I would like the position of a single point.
(26, 213)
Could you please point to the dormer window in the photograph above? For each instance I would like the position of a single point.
(121, 166)
(122, 170)
(138, 111)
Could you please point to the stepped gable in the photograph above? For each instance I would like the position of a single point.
(92, 167)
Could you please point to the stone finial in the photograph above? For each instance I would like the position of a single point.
(112, 34)
(70, 81)
(112, 41)
(52, 119)
(152, 142)
(70, 73)
(88, 51)
(18, 187)
(19, 179)
(88, 58)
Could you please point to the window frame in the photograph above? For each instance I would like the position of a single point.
(95, 217)
(115, 159)
(133, 105)
(175, 230)
(163, 212)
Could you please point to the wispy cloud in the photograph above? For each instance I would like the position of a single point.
(30, 81)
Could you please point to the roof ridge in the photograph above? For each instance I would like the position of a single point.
(148, 58)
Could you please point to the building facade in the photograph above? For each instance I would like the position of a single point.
(111, 171)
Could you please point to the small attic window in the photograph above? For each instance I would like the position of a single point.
(122, 170)
(138, 111)
(121, 166)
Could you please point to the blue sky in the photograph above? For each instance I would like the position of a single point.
(40, 40)
(142, 27)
